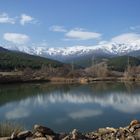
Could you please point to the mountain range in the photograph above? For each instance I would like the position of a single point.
(108, 49)
(82, 53)
(115, 54)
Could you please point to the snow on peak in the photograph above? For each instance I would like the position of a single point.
(110, 48)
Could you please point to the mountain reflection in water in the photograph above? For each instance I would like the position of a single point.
(92, 106)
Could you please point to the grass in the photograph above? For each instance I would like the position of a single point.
(7, 128)
(11, 73)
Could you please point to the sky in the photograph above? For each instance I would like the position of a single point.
(64, 23)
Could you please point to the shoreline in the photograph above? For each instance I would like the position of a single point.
(63, 80)
(130, 132)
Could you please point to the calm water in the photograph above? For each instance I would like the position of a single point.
(64, 107)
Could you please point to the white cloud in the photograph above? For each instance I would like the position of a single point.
(81, 34)
(16, 38)
(4, 18)
(56, 28)
(103, 42)
(127, 38)
(24, 19)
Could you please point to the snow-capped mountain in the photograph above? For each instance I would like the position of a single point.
(76, 51)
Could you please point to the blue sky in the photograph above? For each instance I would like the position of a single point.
(62, 23)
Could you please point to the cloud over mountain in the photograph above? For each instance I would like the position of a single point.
(82, 34)
(16, 38)
(127, 38)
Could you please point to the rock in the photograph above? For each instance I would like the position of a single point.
(111, 129)
(43, 130)
(38, 134)
(91, 135)
(134, 122)
(131, 132)
(14, 135)
(66, 138)
(137, 134)
(137, 126)
(131, 129)
(118, 134)
(62, 135)
(24, 134)
(42, 138)
(104, 131)
(74, 134)
(49, 137)
(130, 138)
(29, 138)
(134, 127)
(126, 130)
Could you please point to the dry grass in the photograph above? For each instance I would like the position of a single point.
(11, 73)
(7, 128)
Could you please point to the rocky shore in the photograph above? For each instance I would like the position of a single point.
(130, 132)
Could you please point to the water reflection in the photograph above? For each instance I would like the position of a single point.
(127, 103)
(69, 105)
(85, 113)
(17, 113)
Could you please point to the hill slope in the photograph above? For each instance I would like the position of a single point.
(87, 61)
(120, 63)
(9, 60)
(3, 49)
(117, 63)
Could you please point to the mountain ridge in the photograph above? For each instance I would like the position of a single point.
(83, 55)
(108, 48)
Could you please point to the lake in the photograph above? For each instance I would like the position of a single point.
(64, 107)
